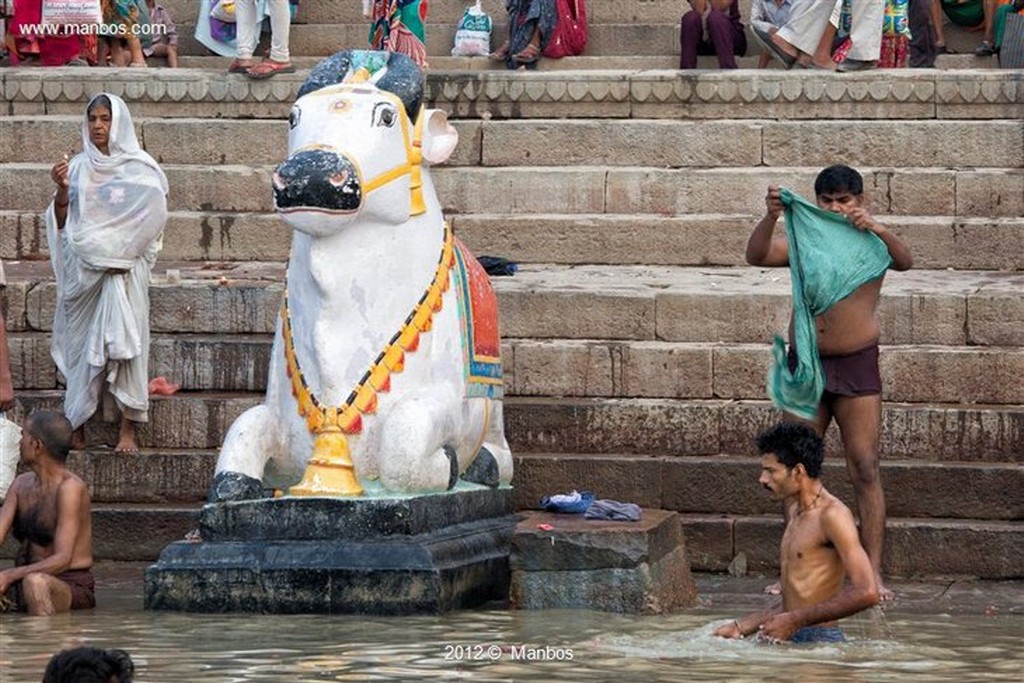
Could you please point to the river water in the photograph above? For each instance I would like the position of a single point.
(501, 645)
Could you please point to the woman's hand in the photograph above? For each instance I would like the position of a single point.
(59, 173)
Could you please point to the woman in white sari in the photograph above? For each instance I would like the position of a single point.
(104, 228)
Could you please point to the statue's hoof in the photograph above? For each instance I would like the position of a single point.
(453, 462)
(229, 486)
(483, 469)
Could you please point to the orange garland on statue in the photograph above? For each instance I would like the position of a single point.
(330, 470)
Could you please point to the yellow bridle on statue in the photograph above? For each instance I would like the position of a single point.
(413, 166)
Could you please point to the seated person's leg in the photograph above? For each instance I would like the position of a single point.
(691, 35)
(723, 39)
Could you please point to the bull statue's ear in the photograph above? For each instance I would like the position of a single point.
(439, 137)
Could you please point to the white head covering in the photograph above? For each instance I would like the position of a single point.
(118, 201)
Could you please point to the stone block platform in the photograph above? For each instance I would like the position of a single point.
(420, 555)
(634, 567)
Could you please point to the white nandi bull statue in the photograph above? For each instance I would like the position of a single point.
(386, 369)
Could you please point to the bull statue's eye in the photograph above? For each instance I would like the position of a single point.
(384, 115)
(293, 117)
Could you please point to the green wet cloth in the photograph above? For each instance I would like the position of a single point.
(828, 260)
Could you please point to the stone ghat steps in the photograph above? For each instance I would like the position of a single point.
(440, 11)
(928, 432)
(990, 549)
(624, 93)
(558, 143)
(605, 303)
(585, 368)
(720, 484)
(703, 240)
(444, 62)
(931, 191)
(608, 37)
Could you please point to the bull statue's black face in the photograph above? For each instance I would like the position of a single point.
(317, 179)
(353, 146)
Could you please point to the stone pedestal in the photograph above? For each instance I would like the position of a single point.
(428, 554)
(634, 567)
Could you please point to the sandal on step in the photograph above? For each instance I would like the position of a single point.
(268, 68)
(240, 66)
(529, 55)
(501, 54)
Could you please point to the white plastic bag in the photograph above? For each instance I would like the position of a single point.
(224, 10)
(473, 36)
(10, 452)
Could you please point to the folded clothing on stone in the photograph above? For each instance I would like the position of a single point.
(575, 502)
(613, 510)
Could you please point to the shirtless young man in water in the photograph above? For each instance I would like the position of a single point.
(848, 346)
(819, 551)
(48, 510)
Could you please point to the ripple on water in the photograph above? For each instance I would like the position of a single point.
(171, 647)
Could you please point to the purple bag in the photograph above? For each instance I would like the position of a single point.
(221, 31)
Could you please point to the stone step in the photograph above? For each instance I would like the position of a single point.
(132, 532)
(913, 547)
(585, 368)
(151, 477)
(666, 427)
(323, 39)
(450, 11)
(725, 484)
(571, 142)
(717, 239)
(931, 191)
(444, 62)
(626, 303)
(608, 36)
(902, 94)
(938, 242)
(728, 484)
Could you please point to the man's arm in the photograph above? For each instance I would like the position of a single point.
(763, 249)
(863, 220)
(9, 509)
(859, 593)
(738, 628)
(69, 522)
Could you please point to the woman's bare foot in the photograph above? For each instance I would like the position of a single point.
(501, 54)
(127, 443)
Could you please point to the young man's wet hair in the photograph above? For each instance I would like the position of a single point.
(794, 444)
(89, 665)
(838, 178)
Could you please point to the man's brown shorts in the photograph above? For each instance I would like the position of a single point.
(848, 374)
(80, 581)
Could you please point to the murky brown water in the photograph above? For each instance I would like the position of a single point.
(499, 645)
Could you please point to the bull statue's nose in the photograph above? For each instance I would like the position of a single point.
(317, 179)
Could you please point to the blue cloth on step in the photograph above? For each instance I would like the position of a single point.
(614, 510)
(575, 502)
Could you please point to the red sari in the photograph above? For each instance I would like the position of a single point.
(51, 50)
